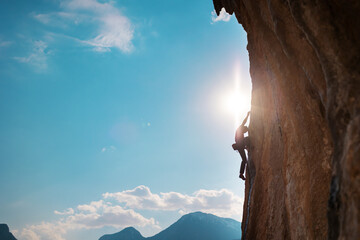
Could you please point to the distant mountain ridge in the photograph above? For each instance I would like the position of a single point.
(193, 226)
(5, 233)
(128, 233)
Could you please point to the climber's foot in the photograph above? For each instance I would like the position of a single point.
(242, 177)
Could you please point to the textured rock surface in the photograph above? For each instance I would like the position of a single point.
(305, 122)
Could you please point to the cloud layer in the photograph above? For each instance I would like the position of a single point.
(222, 202)
(97, 214)
(120, 209)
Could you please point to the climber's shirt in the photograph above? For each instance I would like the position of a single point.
(239, 134)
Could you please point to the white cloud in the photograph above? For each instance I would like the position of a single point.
(37, 57)
(43, 231)
(97, 214)
(68, 211)
(100, 213)
(108, 215)
(223, 16)
(114, 30)
(27, 234)
(220, 202)
(92, 207)
(118, 210)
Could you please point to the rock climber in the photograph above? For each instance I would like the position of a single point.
(242, 143)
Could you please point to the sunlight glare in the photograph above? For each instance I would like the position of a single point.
(237, 101)
(237, 104)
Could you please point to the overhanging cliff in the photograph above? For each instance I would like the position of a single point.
(305, 122)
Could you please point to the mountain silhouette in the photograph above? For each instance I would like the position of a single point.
(129, 233)
(193, 226)
(5, 234)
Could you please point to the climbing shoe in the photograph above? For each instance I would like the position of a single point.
(242, 177)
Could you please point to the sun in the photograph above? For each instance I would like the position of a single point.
(237, 104)
(233, 102)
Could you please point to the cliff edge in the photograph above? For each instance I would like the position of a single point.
(304, 170)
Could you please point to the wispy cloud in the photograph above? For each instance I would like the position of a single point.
(59, 19)
(68, 211)
(114, 30)
(37, 57)
(223, 16)
(120, 210)
(108, 149)
(5, 43)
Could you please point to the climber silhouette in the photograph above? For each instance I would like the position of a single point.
(242, 143)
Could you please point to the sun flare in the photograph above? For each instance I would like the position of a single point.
(234, 102)
(237, 104)
(237, 100)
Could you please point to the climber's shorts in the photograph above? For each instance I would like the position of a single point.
(244, 144)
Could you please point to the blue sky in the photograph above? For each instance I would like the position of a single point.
(107, 104)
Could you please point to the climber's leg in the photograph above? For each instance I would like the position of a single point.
(243, 163)
(246, 142)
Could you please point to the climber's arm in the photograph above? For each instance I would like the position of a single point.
(245, 120)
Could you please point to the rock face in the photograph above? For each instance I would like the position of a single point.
(5, 233)
(304, 171)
